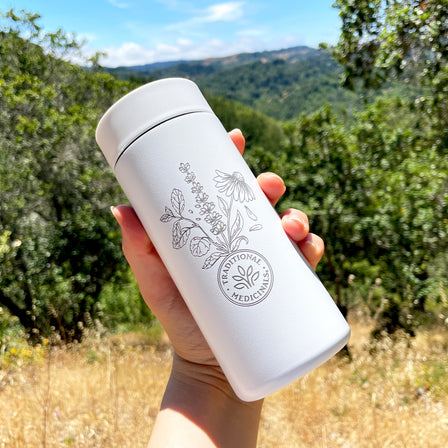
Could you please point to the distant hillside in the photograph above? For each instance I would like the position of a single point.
(281, 84)
(210, 65)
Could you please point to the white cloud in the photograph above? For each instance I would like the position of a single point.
(220, 12)
(131, 53)
(223, 12)
(128, 53)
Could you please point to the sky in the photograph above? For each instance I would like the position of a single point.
(136, 32)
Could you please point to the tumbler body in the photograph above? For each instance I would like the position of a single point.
(263, 311)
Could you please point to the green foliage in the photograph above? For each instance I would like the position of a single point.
(408, 39)
(376, 190)
(258, 130)
(58, 249)
(121, 304)
(409, 140)
(379, 39)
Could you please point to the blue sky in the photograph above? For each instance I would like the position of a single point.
(134, 32)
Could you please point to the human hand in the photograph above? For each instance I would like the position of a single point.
(159, 290)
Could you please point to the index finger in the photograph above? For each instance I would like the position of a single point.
(238, 139)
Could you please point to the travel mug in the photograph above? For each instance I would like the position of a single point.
(263, 311)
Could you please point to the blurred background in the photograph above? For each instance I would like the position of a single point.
(348, 102)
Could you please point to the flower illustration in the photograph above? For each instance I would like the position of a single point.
(207, 208)
(197, 188)
(213, 218)
(184, 167)
(218, 228)
(225, 220)
(190, 177)
(201, 198)
(234, 186)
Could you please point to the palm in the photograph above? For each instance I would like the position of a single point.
(161, 294)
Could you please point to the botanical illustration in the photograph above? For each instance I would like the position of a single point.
(214, 229)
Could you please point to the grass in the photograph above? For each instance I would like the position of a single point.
(106, 393)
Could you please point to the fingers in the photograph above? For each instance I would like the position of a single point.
(238, 139)
(272, 186)
(135, 239)
(296, 225)
(312, 247)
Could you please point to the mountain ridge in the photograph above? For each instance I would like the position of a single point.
(290, 54)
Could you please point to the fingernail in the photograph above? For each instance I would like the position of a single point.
(298, 220)
(113, 210)
(311, 242)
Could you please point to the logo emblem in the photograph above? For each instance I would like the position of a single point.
(245, 277)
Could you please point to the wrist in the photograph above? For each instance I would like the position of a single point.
(201, 395)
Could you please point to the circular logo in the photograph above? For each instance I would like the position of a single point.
(245, 277)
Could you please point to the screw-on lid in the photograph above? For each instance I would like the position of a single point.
(144, 108)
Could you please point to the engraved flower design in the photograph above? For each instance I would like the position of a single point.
(233, 186)
(213, 218)
(207, 208)
(218, 228)
(225, 223)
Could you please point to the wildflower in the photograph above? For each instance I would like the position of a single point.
(201, 198)
(234, 186)
(184, 167)
(218, 228)
(190, 177)
(213, 218)
(207, 208)
(197, 188)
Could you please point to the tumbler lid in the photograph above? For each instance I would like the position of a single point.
(143, 109)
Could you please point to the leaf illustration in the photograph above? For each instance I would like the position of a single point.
(255, 277)
(237, 225)
(199, 246)
(240, 286)
(211, 260)
(223, 206)
(238, 278)
(249, 271)
(180, 235)
(250, 213)
(178, 201)
(167, 216)
(241, 270)
(237, 242)
(255, 228)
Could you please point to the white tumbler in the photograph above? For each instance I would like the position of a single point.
(263, 311)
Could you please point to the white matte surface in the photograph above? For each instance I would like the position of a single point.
(263, 311)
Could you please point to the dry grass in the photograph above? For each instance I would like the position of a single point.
(106, 394)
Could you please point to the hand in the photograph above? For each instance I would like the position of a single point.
(157, 287)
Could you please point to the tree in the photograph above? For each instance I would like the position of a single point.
(376, 190)
(58, 249)
(404, 40)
